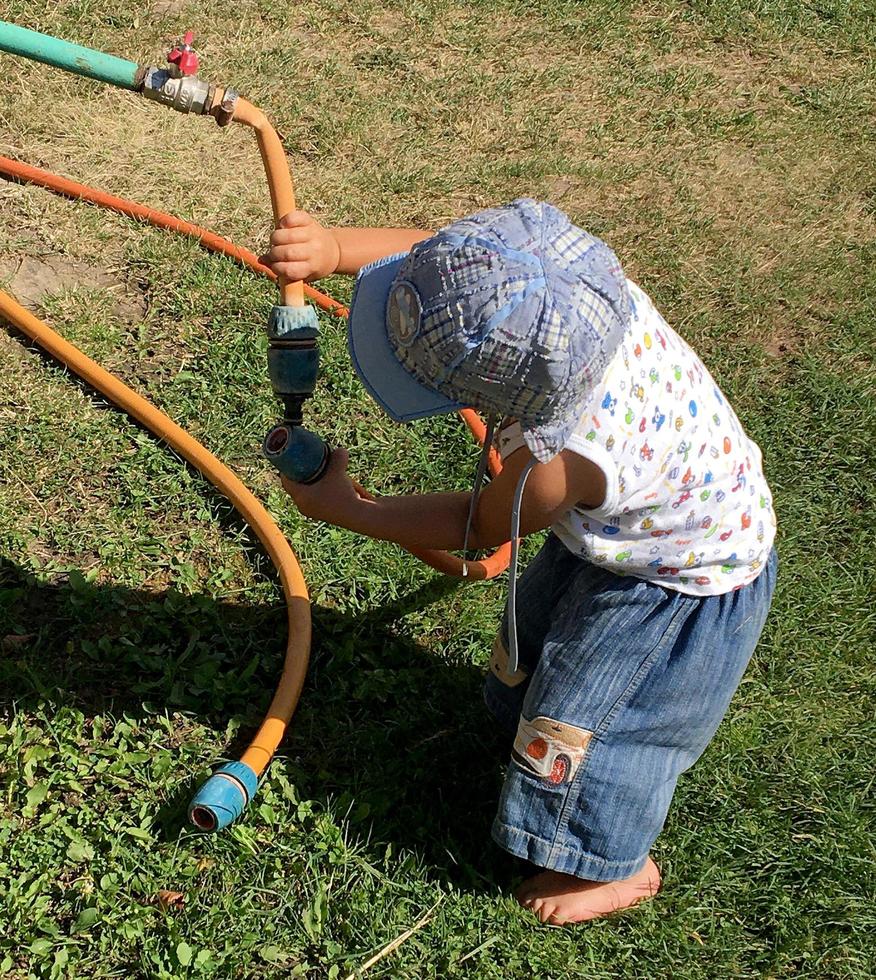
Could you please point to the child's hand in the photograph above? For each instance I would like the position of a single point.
(302, 249)
(333, 498)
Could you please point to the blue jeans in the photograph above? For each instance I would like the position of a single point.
(621, 686)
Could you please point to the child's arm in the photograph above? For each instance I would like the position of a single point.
(302, 249)
(437, 520)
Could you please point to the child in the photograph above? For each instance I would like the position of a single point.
(640, 613)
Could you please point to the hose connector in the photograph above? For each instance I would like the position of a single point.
(293, 366)
(299, 454)
(223, 797)
(293, 323)
(187, 93)
(223, 104)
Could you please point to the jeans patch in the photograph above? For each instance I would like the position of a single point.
(550, 749)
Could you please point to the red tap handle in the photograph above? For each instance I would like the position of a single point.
(184, 56)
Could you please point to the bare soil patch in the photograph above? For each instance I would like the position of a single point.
(31, 279)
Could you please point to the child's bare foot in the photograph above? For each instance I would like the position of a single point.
(559, 898)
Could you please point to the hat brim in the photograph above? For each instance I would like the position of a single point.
(389, 383)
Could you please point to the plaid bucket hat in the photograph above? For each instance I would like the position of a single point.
(513, 311)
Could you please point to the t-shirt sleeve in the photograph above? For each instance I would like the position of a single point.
(600, 457)
(510, 439)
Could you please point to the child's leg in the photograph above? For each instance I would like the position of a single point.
(631, 685)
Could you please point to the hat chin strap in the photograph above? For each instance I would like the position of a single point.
(513, 657)
(478, 484)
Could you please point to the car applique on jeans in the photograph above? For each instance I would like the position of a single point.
(550, 749)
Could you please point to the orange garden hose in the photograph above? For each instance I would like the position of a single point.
(279, 179)
(288, 691)
(282, 202)
(224, 795)
(268, 737)
(485, 568)
(215, 243)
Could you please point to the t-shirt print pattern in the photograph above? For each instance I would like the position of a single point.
(687, 505)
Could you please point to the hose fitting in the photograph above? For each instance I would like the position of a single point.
(187, 93)
(299, 454)
(293, 367)
(293, 323)
(223, 797)
(223, 104)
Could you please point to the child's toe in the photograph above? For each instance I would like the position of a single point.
(547, 910)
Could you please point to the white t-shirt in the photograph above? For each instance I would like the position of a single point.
(686, 503)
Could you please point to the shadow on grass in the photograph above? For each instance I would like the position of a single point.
(384, 731)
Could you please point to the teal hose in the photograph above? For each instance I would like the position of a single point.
(71, 57)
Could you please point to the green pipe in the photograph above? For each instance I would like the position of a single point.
(71, 57)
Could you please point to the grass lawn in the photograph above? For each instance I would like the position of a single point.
(725, 149)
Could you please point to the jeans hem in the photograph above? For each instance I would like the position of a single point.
(568, 860)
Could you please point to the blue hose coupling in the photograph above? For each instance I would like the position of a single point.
(300, 455)
(293, 323)
(222, 798)
(293, 367)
